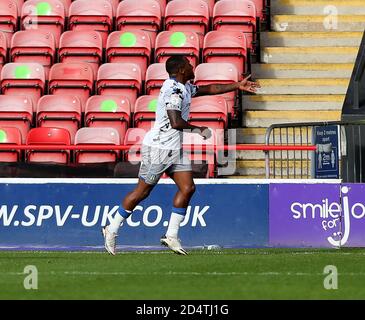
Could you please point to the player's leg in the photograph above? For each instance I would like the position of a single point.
(150, 173)
(186, 188)
(132, 199)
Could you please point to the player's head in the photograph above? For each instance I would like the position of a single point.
(179, 66)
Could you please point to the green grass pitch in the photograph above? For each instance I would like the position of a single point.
(224, 274)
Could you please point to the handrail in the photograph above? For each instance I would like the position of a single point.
(108, 147)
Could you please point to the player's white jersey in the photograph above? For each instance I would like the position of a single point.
(173, 96)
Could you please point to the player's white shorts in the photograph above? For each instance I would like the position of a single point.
(155, 162)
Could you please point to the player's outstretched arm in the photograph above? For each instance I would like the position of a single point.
(244, 85)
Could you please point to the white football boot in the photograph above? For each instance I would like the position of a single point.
(109, 240)
(174, 244)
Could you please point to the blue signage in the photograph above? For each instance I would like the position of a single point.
(326, 159)
(70, 215)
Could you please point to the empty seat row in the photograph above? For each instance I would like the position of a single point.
(83, 46)
(98, 15)
(102, 138)
(113, 79)
(101, 111)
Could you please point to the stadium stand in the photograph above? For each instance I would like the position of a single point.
(96, 15)
(47, 15)
(187, 15)
(228, 46)
(109, 111)
(236, 15)
(109, 51)
(16, 112)
(143, 15)
(120, 79)
(3, 50)
(130, 47)
(210, 73)
(34, 46)
(155, 76)
(23, 79)
(60, 111)
(210, 112)
(97, 136)
(48, 136)
(72, 79)
(144, 112)
(82, 46)
(11, 136)
(169, 43)
(8, 18)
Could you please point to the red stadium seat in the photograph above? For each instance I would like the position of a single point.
(140, 15)
(120, 79)
(169, 43)
(155, 77)
(56, 111)
(209, 111)
(82, 46)
(66, 5)
(8, 18)
(187, 15)
(130, 46)
(228, 46)
(108, 111)
(145, 112)
(16, 111)
(34, 46)
(210, 4)
(236, 15)
(95, 15)
(46, 15)
(210, 73)
(11, 136)
(3, 49)
(48, 136)
(133, 139)
(75, 79)
(97, 136)
(23, 79)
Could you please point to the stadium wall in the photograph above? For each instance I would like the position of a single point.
(67, 214)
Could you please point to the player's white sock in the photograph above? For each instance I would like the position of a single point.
(177, 216)
(118, 219)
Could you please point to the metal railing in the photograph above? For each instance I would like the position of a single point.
(300, 164)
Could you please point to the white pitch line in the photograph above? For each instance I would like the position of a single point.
(96, 273)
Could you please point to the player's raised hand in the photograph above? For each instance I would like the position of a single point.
(249, 86)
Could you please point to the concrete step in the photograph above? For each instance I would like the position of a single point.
(293, 102)
(250, 155)
(283, 70)
(264, 119)
(309, 23)
(318, 7)
(283, 136)
(309, 39)
(289, 55)
(303, 86)
(258, 167)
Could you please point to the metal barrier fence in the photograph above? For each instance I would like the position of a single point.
(302, 164)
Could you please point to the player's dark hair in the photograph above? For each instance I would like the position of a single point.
(174, 63)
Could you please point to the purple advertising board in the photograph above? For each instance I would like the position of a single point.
(317, 215)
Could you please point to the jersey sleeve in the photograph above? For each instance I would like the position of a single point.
(173, 98)
(193, 89)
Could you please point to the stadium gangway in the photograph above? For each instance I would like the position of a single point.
(299, 164)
